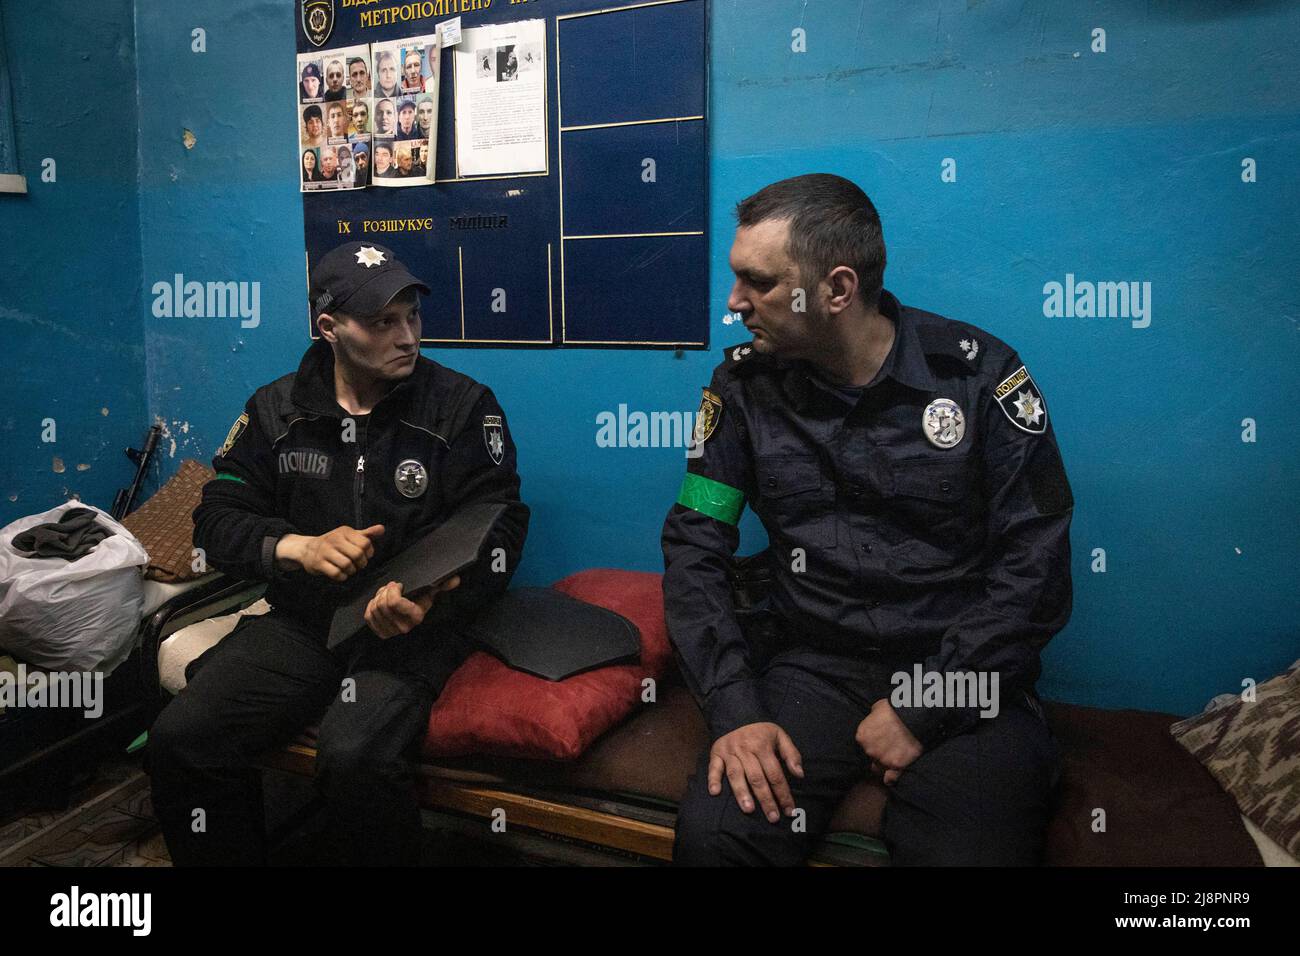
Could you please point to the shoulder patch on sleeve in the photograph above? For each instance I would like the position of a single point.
(493, 437)
(952, 340)
(232, 436)
(1022, 402)
(707, 418)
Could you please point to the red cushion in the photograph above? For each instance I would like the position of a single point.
(488, 708)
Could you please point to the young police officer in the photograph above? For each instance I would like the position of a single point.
(331, 469)
(918, 516)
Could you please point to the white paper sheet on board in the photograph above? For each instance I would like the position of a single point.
(501, 99)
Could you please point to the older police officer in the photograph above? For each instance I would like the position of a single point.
(918, 514)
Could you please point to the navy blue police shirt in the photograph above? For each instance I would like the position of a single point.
(923, 516)
(297, 462)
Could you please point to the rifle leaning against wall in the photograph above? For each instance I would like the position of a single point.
(124, 500)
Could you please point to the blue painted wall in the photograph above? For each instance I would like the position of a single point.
(71, 335)
(1122, 165)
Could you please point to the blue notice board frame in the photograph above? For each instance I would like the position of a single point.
(607, 247)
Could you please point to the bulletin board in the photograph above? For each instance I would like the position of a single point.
(604, 246)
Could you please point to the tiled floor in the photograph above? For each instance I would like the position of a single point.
(107, 839)
(15, 831)
(148, 850)
(124, 832)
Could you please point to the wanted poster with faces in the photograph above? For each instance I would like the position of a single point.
(405, 122)
(334, 105)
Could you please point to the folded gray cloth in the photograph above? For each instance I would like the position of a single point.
(73, 536)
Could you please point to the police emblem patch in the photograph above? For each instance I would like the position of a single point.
(369, 257)
(943, 423)
(411, 478)
(232, 436)
(706, 419)
(493, 437)
(1022, 402)
(318, 20)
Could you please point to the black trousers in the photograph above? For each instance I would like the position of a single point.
(979, 798)
(261, 686)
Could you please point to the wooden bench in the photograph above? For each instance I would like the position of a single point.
(1163, 808)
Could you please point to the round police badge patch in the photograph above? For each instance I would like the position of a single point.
(411, 478)
(943, 422)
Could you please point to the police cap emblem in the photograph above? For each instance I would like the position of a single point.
(411, 478)
(943, 422)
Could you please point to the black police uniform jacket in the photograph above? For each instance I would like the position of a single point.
(437, 441)
(952, 552)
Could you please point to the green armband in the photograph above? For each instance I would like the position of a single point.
(711, 498)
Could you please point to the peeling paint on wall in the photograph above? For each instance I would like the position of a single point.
(177, 435)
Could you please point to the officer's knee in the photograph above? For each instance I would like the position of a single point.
(704, 844)
(185, 735)
(697, 842)
(345, 760)
(711, 831)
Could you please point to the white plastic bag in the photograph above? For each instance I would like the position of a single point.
(71, 615)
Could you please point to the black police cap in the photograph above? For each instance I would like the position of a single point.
(359, 278)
